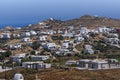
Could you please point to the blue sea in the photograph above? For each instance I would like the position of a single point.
(19, 13)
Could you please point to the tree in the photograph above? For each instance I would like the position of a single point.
(61, 37)
(32, 52)
(35, 45)
(2, 57)
(57, 37)
(8, 53)
(12, 37)
(119, 36)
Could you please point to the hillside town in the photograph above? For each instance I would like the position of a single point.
(67, 48)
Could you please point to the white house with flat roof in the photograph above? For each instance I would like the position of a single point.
(40, 57)
(3, 51)
(33, 33)
(71, 62)
(26, 34)
(65, 45)
(112, 35)
(84, 63)
(43, 38)
(97, 64)
(79, 39)
(104, 29)
(51, 32)
(5, 36)
(36, 65)
(68, 34)
(112, 40)
(26, 39)
(88, 49)
(18, 57)
(84, 31)
(50, 45)
(16, 35)
(15, 46)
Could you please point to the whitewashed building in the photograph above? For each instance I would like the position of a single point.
(18, 57)
(18, 76)
(26, 39)
(26, 34)
(112, 35)
(40, 57)
(3, 51)
(60, 31)
(51, 32)
(5, 36)
(112, 40)
(43, 32)
(65, 45)
(84, 63)
(103, 29)
(88, 49)
(71, 62)
(33, 33)
(15, 46)
(68, 34)
(79, 39)
(43, 38)
(50, 45)
(98, 64)
(36, 65)
(16, 35)
(84, 31)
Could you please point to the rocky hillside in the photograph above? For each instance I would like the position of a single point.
(86, 20)
(92, 21)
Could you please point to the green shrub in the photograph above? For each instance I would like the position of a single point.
(32, 52)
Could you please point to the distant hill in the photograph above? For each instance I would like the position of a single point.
(8, 28)
(86, 20)
(93, 21)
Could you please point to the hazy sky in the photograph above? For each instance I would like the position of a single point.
(23, 12)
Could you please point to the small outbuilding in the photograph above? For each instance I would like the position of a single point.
(18, 76)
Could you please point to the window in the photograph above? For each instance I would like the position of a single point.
(21, 77)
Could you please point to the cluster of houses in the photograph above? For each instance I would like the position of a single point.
(36, 62)
(71, 38)
(95, 64)
(77, 36)
(99, 64)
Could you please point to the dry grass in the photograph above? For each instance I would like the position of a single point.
(59, 74)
